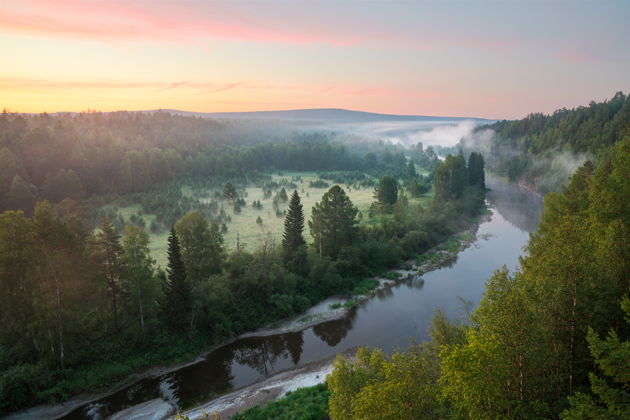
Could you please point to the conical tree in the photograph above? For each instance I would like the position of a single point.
(293, 243)
(177, 291)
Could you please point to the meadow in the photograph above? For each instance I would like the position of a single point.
(242, 227)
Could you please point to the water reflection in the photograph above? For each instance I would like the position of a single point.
(332, 332)
(389, 321)
(518, 206)
(262, 353)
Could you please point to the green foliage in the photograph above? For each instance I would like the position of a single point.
(379, 387)
(365, 286)
(544, 150)
(229, 191)
(476, 174)
(293, 243)
(56, 294)
(451, 178)
(333, 222)
(612, 357)
(202, 246)
(177, 289)
(302, 404)
(531, 327)
(386, 193)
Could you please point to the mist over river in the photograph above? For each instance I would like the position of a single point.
(389, 320)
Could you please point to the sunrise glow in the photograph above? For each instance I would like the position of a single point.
(489, 59)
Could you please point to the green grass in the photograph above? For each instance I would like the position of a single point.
(335, 305)
(392, 275)
(250, 234)
(431, 257)
(243, 225)
(350, 304)
(365, 286)
(302, 404)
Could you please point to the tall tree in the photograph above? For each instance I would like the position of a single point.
(451, 178)
(293, 243)
(21, 195)
(411, 170)
(201, 245)
(138, 272)
(386, 192)
(476, 175)
(612, 357)
(17, 284)
(333, 222)
(108, 254)
(229, 191)
(177, 302)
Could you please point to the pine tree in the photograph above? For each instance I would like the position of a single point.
(411, 170)
(293, 243)
(229, 191)
(177, 291)
(476, 176)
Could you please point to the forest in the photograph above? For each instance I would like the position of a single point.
(84, 307)
(544, 150)
(78, 156)
(550, 340)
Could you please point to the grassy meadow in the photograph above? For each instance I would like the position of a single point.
(243, 225)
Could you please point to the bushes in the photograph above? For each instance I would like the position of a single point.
(19, 385)
(303, 404)
(415, 241)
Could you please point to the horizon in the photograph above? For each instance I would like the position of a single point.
(259, 111)
(442, 59)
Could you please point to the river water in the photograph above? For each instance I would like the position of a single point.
(389, 320)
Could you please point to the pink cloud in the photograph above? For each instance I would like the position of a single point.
(174, 22)
(573, 56)
(189, 22)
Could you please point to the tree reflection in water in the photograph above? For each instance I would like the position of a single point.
(332, 332)
(261, 353)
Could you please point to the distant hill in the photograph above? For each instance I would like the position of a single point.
(321, 114)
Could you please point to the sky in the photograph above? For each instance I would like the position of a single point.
(492, 59)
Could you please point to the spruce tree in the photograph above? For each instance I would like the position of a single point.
(293, 243)
(411, 170)
(177, 291)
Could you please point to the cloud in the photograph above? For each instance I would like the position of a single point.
(177, 22)
(193, 22)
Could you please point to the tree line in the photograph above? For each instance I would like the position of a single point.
(82, 307)
(551, 340)
(76, 156)
(544, 150)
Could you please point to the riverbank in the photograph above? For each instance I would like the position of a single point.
(336, 307)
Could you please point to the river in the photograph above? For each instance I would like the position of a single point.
(389, 320)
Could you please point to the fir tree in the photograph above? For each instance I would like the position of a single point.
(177, 291)
(293, 243)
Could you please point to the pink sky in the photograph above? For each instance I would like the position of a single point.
(485, 59)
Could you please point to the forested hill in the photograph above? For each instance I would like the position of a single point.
(544, 150)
